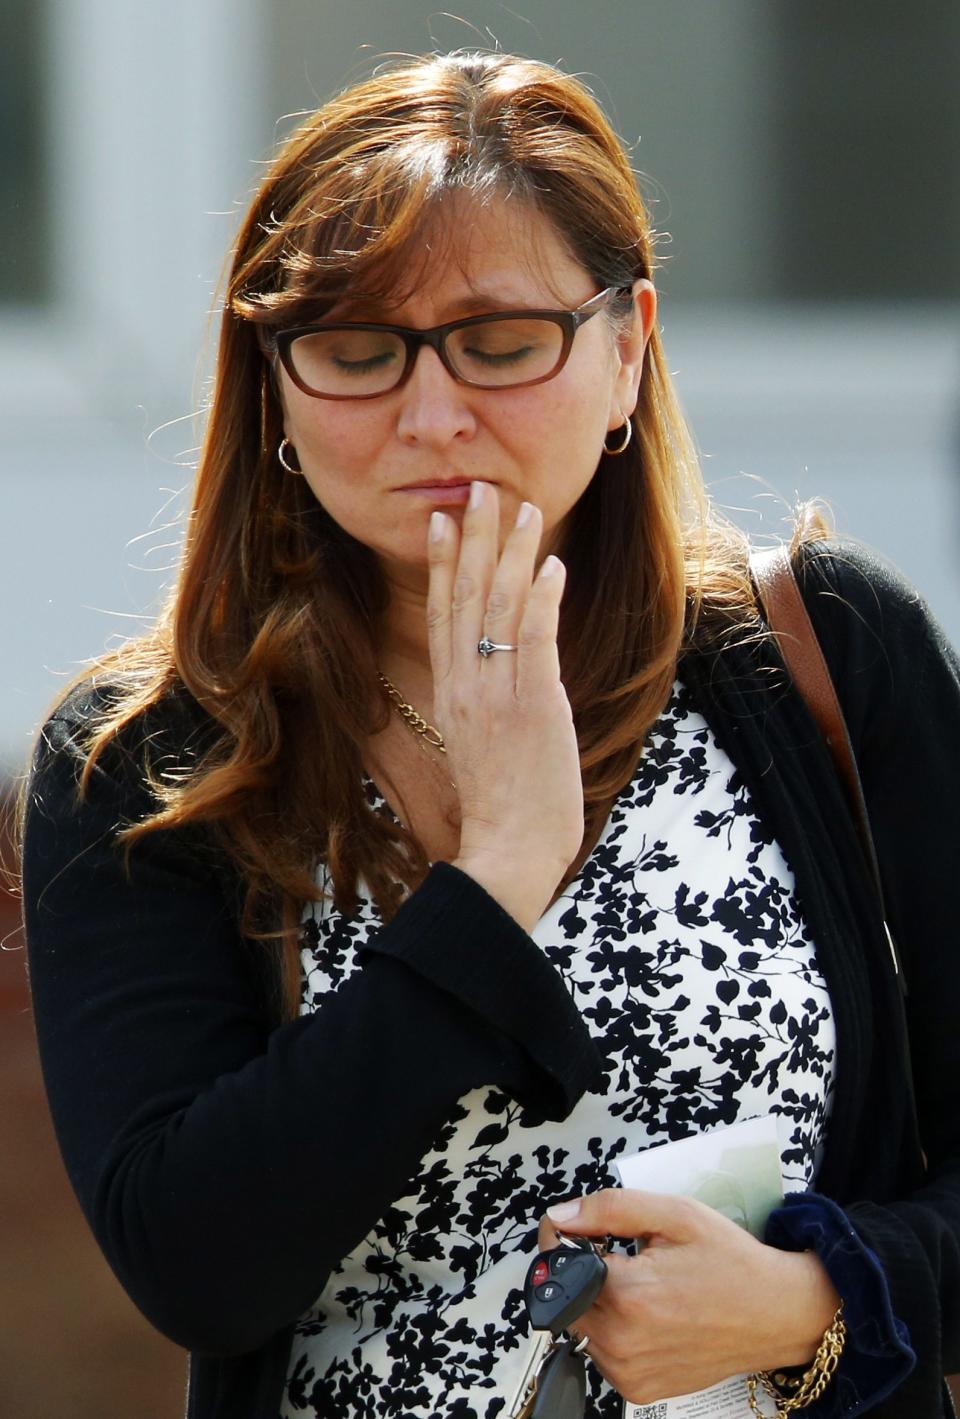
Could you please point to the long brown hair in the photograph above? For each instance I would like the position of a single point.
(271, 625)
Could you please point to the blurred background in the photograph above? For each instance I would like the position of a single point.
(801, 161)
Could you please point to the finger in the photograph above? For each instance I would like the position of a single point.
(630, 1361)
(442, 548)
(538, 663)
(474, 573)
(547, 1235)
(627, 1212)
(614, 1331)
(581, 1340)
(510, 588)
(621, 1374)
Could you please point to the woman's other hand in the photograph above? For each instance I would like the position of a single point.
(505, 719)
(702, 1301)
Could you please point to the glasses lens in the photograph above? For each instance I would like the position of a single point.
(497, 353)
(345, 361)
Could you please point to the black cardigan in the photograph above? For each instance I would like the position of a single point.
(225, 1163)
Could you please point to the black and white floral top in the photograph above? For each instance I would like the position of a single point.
(683, 944)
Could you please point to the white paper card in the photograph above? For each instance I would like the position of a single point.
(737, 1171)
(727, 1400)
(734, 1169)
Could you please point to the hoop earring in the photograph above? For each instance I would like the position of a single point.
(282, 456)
(620, 447)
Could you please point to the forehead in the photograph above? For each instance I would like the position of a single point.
(472, 254)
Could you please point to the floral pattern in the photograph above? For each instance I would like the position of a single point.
(684, 946)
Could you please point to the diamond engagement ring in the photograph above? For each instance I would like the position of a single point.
(487, 647)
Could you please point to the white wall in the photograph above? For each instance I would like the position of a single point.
(156, 117)
(159, 114)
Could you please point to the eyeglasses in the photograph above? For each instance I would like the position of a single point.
(349, 360)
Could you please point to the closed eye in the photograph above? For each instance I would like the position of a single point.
(501, 357)
(364, 366)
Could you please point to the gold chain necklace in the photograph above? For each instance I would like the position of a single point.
(416, 721)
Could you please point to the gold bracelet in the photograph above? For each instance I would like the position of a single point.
(811, 1384)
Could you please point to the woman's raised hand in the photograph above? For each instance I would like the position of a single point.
(505, 719)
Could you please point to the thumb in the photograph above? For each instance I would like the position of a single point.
(627, 1212)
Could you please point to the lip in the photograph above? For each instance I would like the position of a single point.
(440, 490)
(457, 482)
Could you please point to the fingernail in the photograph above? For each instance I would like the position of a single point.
(551, 566)
(563, 1211)
(436, 526)
(524, 514)
(476, 495)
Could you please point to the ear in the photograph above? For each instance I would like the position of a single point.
(630, 349)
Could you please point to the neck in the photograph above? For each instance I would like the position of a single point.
(403, 652)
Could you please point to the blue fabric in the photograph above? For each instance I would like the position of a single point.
(877, 1356)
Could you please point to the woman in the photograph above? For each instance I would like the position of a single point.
(376, 905)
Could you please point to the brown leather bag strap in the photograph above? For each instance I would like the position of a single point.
(786, 615)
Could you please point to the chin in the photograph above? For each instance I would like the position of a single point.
(399, 562)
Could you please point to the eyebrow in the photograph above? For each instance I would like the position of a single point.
(477, 303)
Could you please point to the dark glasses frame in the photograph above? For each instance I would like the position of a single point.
(569, 322)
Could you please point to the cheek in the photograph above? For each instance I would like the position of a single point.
(570, 429)
(332, 442)
(568, 433)
(327, 430)
(321, 431)
(579, 400)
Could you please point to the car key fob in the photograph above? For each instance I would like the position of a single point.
(563, 1283)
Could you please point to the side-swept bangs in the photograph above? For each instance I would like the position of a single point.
(353, 205)
(363, 237)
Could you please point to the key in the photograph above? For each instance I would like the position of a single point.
(561, 1385)
(557, 1388)
(519, 1407)
(563, 1283)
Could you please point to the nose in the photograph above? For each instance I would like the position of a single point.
(434, 408)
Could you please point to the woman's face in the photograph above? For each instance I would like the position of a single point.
(539, 444)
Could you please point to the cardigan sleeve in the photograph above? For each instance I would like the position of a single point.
(225, 1166)
(898, 680)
